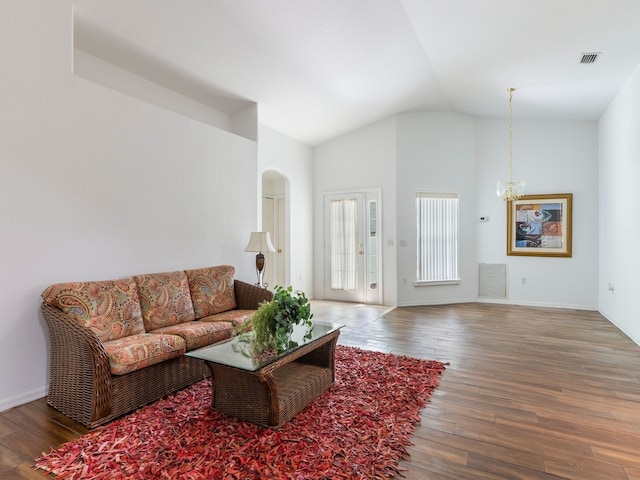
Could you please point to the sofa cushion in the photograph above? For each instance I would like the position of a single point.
(165, 299)
(212, 289)
(138, 351)
(235, 317)
(199, 334)
(110, 308)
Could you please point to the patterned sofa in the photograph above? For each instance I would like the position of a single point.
(117, 345)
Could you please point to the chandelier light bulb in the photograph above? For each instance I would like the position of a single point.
(510, 190)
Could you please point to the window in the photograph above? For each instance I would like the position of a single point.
(437, 238)
(344, 244)
(372, 250)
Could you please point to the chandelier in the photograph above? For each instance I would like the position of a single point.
(510, 190)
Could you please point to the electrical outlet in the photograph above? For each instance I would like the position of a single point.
(523, 280)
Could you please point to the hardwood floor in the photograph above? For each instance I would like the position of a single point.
(529, 393)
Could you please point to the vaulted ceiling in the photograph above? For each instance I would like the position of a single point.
(320, 68)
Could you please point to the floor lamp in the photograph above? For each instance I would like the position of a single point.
(260, 242)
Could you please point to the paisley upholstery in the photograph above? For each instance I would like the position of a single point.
(165, 299)
(110, 308)
(149, 318)
(235, 317)
(199, 334)
(138, 351)
(212, 290)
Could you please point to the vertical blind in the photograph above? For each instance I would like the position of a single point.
(344, 251)
(437, 236)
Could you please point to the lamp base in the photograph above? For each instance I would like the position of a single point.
(260, 262)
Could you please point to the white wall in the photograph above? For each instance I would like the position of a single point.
(364, 159)
(619, 260)
(551, 157)
(97, 185)
(452, 152)
(435, 154)
(102, 72)
(293, 160)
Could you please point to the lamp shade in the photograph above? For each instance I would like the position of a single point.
(260, 242)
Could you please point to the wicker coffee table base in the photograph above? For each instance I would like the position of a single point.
(272, 395)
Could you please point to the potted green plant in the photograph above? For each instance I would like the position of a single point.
(272, 324)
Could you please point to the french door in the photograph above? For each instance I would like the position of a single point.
(351, 247)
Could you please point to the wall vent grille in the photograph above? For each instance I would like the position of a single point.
(492, 280)
(590, 57)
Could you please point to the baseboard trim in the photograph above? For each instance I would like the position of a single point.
(541, 304)
(623, 330)
(501, 302)
(22, 398)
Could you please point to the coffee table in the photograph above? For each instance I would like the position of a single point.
(269, 392)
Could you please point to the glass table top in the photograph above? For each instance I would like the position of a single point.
(238, 352)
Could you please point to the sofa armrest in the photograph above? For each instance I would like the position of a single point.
(249, 297)
(79, 377)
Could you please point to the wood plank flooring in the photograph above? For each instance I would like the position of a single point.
(529, 393)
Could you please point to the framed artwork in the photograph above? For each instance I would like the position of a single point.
(540, 225)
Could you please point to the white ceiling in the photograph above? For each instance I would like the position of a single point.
(320, 68)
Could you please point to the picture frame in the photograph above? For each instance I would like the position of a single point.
(540, 225)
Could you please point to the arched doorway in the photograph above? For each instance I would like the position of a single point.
(274, 221)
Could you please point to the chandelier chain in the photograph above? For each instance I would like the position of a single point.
(510, 190)
(511, 90)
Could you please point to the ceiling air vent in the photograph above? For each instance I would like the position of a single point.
(590, 57)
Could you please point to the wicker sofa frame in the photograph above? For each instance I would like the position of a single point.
(81, 385)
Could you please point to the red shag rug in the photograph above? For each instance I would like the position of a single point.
(359, 429)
